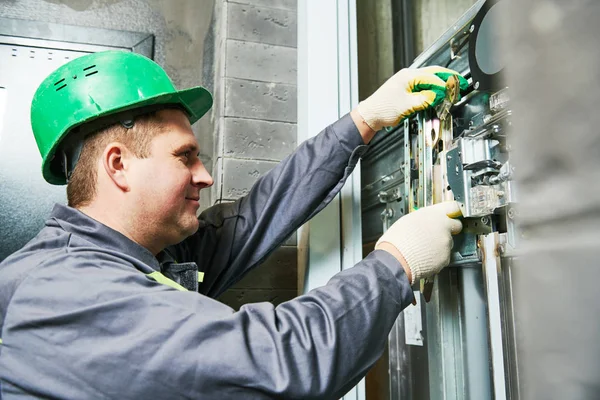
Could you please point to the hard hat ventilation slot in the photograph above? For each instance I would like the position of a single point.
(59, 82)
(88, 70)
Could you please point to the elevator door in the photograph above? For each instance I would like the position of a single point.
(25, 198)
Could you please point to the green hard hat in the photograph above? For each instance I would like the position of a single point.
(97, 90)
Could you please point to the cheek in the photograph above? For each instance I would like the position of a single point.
(169, 184)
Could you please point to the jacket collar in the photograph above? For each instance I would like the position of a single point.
(79, 224)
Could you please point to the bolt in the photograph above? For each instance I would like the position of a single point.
(387, 213)
(382, 196)
(496, 128)
(386, 178)
(511, 213)
(500, 194)
(501, 249)
(476, 86)
(485, 220)
(471, 28)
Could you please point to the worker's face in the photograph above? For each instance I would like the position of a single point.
(167, 184)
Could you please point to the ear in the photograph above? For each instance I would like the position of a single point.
(115, 160)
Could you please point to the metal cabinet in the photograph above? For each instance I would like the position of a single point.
(458, 342)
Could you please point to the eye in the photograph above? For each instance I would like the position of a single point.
(186, 154)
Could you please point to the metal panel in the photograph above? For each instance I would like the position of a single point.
(25, 198)
(318, 106)
(328, 89)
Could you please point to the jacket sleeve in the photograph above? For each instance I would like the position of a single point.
(233, 238)
(129, 337)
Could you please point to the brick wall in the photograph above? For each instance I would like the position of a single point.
(255, 115)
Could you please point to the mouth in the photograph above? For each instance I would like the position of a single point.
(193, 198)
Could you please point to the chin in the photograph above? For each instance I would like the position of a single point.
(190, 228)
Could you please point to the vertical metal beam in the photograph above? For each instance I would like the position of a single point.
(492, 269)
(328, 89)
(318, 106)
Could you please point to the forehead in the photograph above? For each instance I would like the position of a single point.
(175, 129)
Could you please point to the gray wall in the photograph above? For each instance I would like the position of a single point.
(255, 112)
(554, 64)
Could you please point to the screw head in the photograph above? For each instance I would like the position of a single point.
(476, 85)
(501, 249)
(471, 28)
(511, 213)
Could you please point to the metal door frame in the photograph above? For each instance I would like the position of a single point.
(327, 90)
(69, 37)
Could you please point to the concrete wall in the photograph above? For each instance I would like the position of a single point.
(255, 112)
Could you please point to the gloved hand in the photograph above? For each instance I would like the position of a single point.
(406, 92)
(424, 238)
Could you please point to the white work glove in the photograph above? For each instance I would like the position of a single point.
(404, 94)
(424, 238)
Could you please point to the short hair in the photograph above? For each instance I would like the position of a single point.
(82, 185)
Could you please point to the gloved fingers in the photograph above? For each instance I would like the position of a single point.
(455, 226)
(449, 208)
(444, 73)
(420, 101)
(426, 81)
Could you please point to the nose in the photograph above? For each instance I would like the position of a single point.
(200, 176)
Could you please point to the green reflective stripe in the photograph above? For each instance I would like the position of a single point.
(0, 341)
(200, 276)
(160, 278)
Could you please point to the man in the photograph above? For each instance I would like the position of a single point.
(101, 303)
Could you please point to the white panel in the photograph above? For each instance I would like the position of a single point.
(327, 90)
(318, 106)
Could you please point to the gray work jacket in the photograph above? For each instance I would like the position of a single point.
(86, 314)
